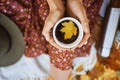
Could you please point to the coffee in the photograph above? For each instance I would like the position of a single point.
(60, 35)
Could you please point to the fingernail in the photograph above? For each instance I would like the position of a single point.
(85, 43)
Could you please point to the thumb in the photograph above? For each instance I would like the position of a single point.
(52, 18)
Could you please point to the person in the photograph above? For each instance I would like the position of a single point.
(36, 19)
(76, 9)
(57, 10)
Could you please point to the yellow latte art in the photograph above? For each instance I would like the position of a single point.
(69, 29)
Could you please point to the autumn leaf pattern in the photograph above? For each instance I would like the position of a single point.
(69, 29)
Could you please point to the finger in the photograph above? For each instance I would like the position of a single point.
(85, 26)
(53, 43)
(84, 40)
(52, 18)
(56, 12)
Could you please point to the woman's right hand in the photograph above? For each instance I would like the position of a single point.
(56, 12)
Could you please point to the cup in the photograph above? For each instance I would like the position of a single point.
(68, 32)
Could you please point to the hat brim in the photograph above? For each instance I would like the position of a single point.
(17, 42)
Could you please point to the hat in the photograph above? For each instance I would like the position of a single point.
(12, 44)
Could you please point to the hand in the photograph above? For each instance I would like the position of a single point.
(75, 9)
(56, 12)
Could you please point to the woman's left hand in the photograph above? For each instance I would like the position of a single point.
(76, 9)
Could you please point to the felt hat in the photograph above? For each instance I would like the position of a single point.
(12, 44)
